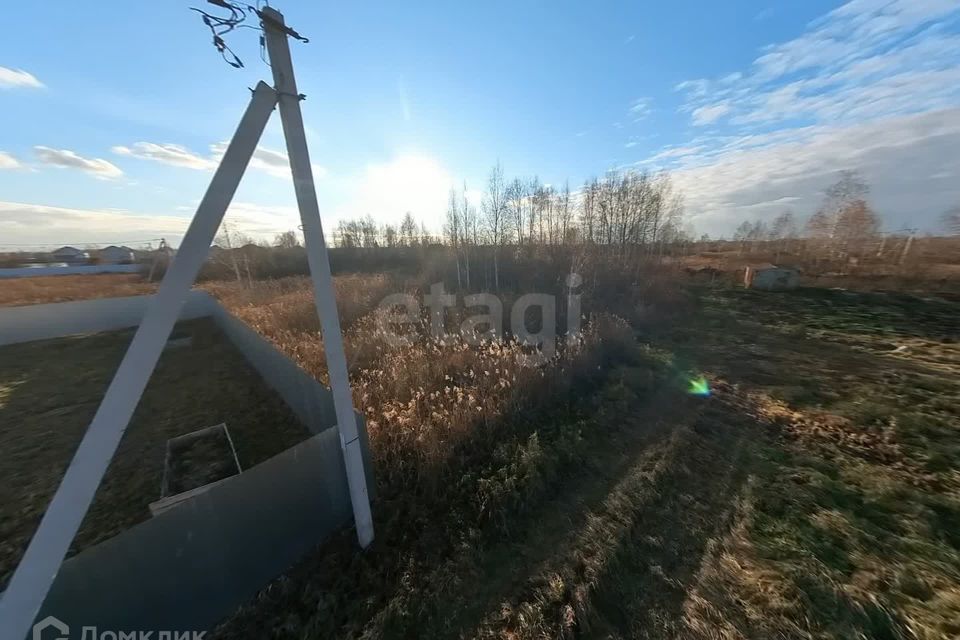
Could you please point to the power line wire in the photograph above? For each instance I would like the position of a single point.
(221, 25)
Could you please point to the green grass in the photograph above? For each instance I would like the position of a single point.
(856, 501)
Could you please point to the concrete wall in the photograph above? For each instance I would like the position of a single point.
(33, 272)
(193, 565)
(44, 321)
(189, 567)
(310, 400)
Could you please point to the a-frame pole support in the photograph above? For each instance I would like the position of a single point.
(39, 566)
(288, 98)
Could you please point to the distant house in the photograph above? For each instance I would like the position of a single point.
(116, 255)
(770, 277)
(70, 255)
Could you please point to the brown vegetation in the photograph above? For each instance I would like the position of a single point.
(813, 494)
(21, 291)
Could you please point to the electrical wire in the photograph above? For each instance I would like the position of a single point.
(238, 13)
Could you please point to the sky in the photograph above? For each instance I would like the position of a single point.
(114, 116)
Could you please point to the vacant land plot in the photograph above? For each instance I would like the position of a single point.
(848, 524)
(814, 493)
(50, 390)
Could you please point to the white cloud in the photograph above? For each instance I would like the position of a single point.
(675, 152)
(67, 159)
(764, 14)
(710, 114)
(22, 223)
(269, 161)
(873, 85)
(171, 154)
(36, 224)
(910, 161)
(7, 161)
(693, 87)
(640, 108)
(13, 78)
(262, 222)
(866, 59)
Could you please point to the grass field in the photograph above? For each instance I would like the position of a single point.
(814, 493)
(43, 289)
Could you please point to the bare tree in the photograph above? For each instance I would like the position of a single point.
(408, 230)
(565, 214)
(468, 238)
(588, 209)
(287, 240)
(856, 222)
(820, 225)
(229, 240)
(495, 216)
(390, 236)
(534, 220)
(784, 226)
(782, 230)
(845, 219)
(452, 228)
(518, 201)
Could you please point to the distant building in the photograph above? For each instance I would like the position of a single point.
(116, 255)
(770, 277)
(70, 255)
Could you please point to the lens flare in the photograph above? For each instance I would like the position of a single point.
(699, 386)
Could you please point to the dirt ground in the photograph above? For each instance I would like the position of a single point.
(50, 390)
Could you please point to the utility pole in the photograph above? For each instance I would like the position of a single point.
(288, 99)
(33, 577)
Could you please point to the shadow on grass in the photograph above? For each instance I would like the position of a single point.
(853, 498)
(425, 512)
(600, 516)
(641, 590)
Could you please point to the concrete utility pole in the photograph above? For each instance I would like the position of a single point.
(285, 84)
(32, 579)
(37, 570)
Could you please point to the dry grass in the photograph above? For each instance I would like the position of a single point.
(22, 291)
(932, 264)
(420, 400)
(815, 494)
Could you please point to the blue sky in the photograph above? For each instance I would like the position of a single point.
(113, 116)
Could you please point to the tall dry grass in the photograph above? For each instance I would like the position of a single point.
(424, 399)
(44, 289)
